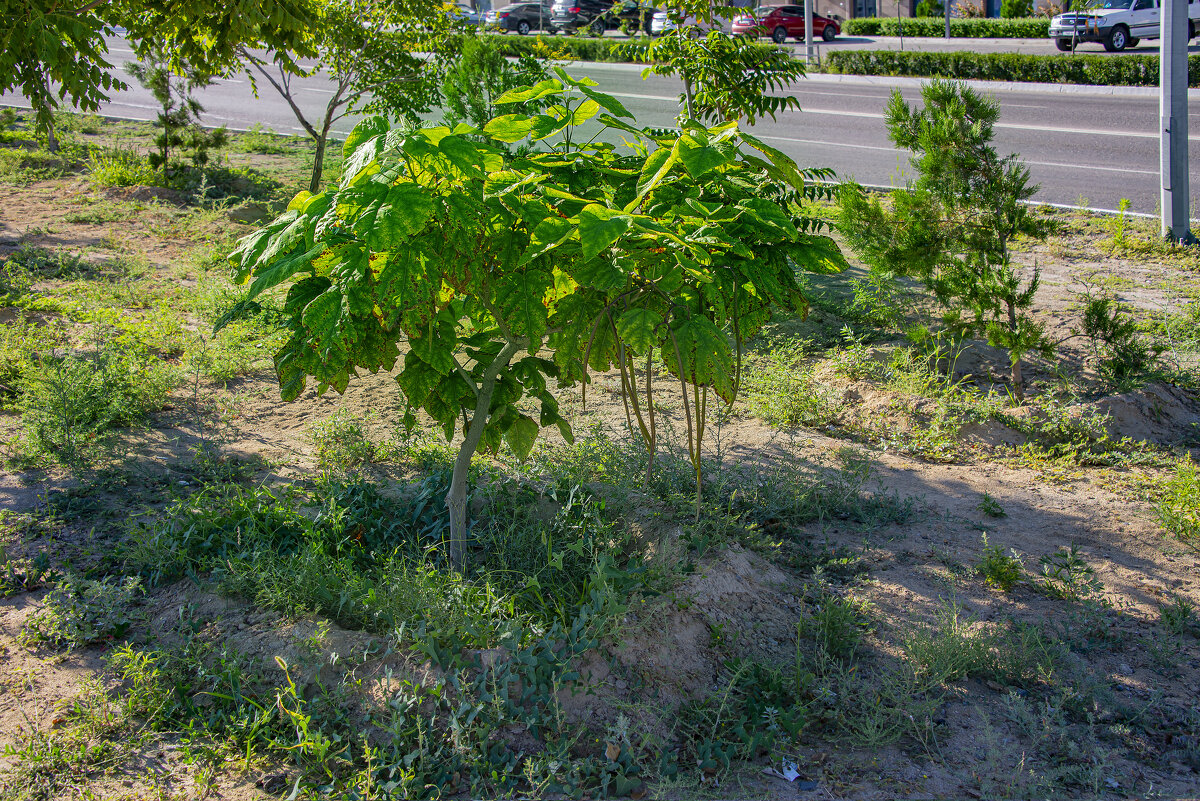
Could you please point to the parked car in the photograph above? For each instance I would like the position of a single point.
(463, 13)
(1116, 24)
(520, 17)
(634, 12)
(598, 16)
(780, 22)
(571, 16)
(666, 21)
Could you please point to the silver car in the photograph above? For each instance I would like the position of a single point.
(666, 21)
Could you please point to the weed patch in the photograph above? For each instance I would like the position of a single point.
(82, 611)
(1178, 509)
(999, 569)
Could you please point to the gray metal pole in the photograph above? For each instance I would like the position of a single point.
(946, 3)
(808, 42)
(1173, 113)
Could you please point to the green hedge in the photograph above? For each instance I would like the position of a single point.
(978, 28)
(578, 48)
(1128, 70)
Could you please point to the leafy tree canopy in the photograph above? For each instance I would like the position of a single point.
(488, 275)
(52, 50)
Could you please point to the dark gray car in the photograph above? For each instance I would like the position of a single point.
(520, 17)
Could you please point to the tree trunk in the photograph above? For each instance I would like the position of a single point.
(456, 498)
(318, 162)
(688, 98)
(1015, 358)
(51, 137)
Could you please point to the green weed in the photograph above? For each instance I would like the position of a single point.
(1179, 616)
(836, 623)
(1066, 576)
(82, 611)
(853, 358)
(341, 442)
(260, 139)
(998, 569)
(958, 647)
(69, 403)
(990, 506)
(119, 165)
(783, 391)
(1178, 509)
(23, 575)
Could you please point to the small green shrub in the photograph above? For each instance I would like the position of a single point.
(990, 506)
(1016, 9)
(782, 389)
(82, 611)
(1123, 358)
(120, 166)
(1178, 616)
(260, 139)
(341, 442)
(999, 569)
(853, 359)
(836, 623)
(958, 647)
(1066, 576)
(23, 575)
(69, 402)
(580, 48)
(1130, 70)
(1179, 508)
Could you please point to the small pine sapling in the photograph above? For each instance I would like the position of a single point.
(953, 227)
(179, 116)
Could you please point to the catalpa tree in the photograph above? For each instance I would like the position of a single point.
(489, 275)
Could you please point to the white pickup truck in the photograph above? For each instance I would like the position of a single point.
(1116, 24)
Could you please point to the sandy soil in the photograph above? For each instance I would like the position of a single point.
(667, 649)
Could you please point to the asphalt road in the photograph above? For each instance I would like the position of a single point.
(1082, 149)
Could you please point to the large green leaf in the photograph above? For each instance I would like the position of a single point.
(600, 228)
(546, 236)
(657, 167)
(520, 436)
(525, 94)
(698, 158)
(464, 154)
(771, 217)
(403, 213)
(781, 160)
(700, 353)
(607, 102)
(818, 254)
(639, 329)
(417, 380)
(368, 128)
(520, 297)
(510, 127)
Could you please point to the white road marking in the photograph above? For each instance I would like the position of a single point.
(830, 144)
(1092, 167)
(895, 150)
(1012, 126)
(314, 89)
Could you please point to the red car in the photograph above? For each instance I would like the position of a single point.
(780, 22)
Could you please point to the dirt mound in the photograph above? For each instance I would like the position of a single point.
(1156, 413)
(736, 603)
